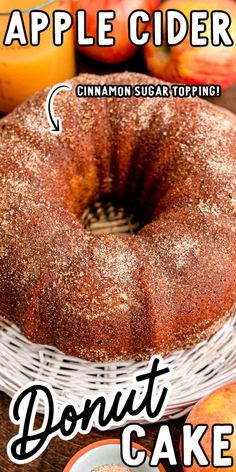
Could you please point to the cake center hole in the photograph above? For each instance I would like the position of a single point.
(109, 217)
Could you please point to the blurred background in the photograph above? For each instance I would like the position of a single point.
(26, 69)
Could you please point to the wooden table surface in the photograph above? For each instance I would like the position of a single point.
(59, 452)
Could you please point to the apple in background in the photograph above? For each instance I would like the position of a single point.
(123, 49)
(217, 408)
(161, 468)
(194, 65)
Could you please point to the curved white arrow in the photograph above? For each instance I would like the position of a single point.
(55, 122)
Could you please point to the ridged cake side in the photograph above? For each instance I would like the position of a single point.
(103, 297)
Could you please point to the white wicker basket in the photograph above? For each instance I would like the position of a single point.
(196, 372)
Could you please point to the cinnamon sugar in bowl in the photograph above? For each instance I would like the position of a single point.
(111, 468)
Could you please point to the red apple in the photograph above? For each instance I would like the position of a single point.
(161, 468)
(123, 49)
(194, 65)
(217, 408)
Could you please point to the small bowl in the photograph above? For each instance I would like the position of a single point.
(103, 453)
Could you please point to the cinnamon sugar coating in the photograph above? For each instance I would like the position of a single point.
(102, 297)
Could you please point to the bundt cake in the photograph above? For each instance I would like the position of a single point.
(104, 297)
